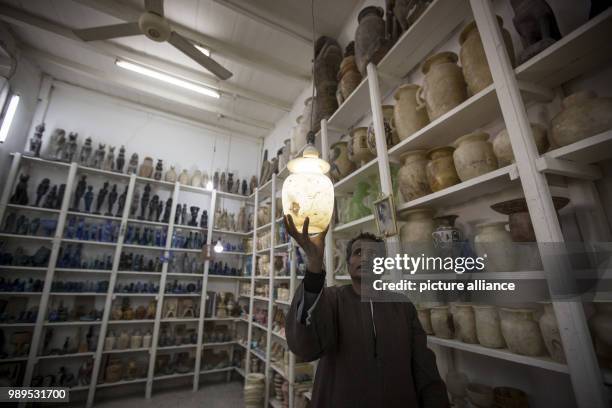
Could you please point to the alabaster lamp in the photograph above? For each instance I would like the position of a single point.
(308, 191)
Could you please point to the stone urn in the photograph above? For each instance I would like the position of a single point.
(416, 233)
(300, 134)
(488, 326)
(496, 243)
(521, 228)
(412, 176)
(441, 171)
(551, 335)
(109, 341)
(146, 168)
(408, 115)
(371, 43)
(583, 115)
(349, 77)
(503, 149)
(521, 331)
(123, 341)
(170, 175)
(390, 134)
(184, 177)
(443, 87)
(473, 59)
(474, 156)
(196, 179)
(465, 324)
(340, 165)
(358, 150)
(423, 313)
(114, 371)
(442, 322)
(535, 22)
(601, 328)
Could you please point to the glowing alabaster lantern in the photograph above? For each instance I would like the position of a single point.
(308, 192)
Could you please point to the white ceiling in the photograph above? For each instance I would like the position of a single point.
(270, 62)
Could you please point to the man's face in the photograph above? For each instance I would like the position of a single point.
(363, 252)
(354, 261)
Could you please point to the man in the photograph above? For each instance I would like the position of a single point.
(371, 354)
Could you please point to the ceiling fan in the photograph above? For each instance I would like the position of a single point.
(153, 24)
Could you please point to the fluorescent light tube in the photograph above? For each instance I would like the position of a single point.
(8, 117)
(168, 78)
(203, 50)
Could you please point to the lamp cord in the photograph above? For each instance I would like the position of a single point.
(310, 139)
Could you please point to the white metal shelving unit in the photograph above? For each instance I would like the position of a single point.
(114, 273)
(575, 54)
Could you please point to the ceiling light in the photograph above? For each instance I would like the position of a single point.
(168, 78)
(218, 247)
(8, 117)
(203, 50)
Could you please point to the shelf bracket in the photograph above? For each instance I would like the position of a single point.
(568, 168)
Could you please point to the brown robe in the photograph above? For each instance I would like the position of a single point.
(357, 370)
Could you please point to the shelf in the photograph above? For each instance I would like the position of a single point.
(32, 208)
(579, 52)
(24, 236)
(240, 371)
(82, 241)
(24, 268)
(17, 324)
(77, 293)
(128, 350)
(231, 253)
(278, 370)
(259, 355)
(91, 215)
(261, 298)
(264, 226)
(185, 275)
(282, 247)
(590, 150)
(135, 321)
(433, 27)
(175, 375)
(20, 293)
(161, 183)
(100, 172)
(148, 247)
(343, 278)
(366, 221)
(126, 294)
(219, 344)
(283, 302)
(260, 326)
(190, 227)
(227, 232)
(182, 294)
(232, 196)
(217, 370)
(502, 354)
(74, 355)
(156, 223)
(73, 323)
(279, 335)
(212, 276)
(193, 251)
(191, 189)
(221, 319)
(139, 273)
(40, 160)
(76, 270)
(13, 360)
(124, 382)
(180, 320)
(265, 190)
(181, 347)
(488, 183)
(348, 183)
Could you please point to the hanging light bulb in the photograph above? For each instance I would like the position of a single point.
(218, 247)
(308, 191)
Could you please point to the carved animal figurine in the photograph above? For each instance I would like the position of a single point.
(20, 197)
(85, 152)
(71, 148)
(109, 162)
(98, 158)
(42, 189)
(120, 160)
(159, 168)
(133, 164)
(36, 141)
(52, 145)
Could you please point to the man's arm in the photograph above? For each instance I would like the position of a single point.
(430, 388)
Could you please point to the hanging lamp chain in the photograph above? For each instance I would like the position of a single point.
(310, 139)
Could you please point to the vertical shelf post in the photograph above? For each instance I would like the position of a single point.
(247, 363)
(328, 255)
(10, 182)
(270, 288)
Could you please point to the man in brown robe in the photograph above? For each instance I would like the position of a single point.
(370, 354)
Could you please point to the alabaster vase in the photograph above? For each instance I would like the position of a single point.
(521, 331)
(408, 115)
(474, 156)
(412, 176)
(503, 149)
(443, 87)
(441, 171)
(488, 326)
(495, 244)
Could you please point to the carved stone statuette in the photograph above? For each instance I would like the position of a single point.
(69, 153)
(101, 196)
(36, 141)
(109, 162)
(98, 158)
(85, 152)
(133, 164)
(120, 160)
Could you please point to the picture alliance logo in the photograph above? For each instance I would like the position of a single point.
(412, 265)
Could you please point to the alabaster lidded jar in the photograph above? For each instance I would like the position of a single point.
(474, 156)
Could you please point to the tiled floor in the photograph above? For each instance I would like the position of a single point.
(223, 395)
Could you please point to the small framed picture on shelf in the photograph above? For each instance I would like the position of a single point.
(384, 213)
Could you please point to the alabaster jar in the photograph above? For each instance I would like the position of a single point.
(340, 165)
(146, 168)
(550, 334)
(442, 322)
(473, 59)
(171, 175)
(601, 327)
(184, 177)
(474, 156)
(146, 340)
(109, 342)
(349, 76)
(494, 243)
(503, 149)
(412, 176)
(521, 331)
(418, 225)
(114, 371)
(465, 325)
(443, 87)
(298, 139)
(424, 316)
(391, 137)
(583, 115)
(488, 326)
(123, 341)
(359, 152)
(441, 171)
(408, 115)
(263, 215)
(196, 179)
(136, 341)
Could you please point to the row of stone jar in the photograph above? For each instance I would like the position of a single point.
(526, 331)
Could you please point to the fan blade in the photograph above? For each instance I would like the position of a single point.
(192, 52)
(155, 6)
(109, 31)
